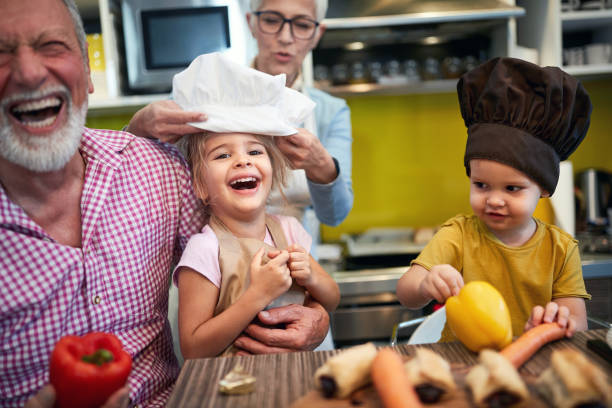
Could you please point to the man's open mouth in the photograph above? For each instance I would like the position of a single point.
(244, 183)
(39, 113)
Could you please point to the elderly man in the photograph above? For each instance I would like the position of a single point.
(90, 220)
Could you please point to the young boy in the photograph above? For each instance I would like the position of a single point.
(522, 120)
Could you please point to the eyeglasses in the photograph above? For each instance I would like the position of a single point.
(271, 22)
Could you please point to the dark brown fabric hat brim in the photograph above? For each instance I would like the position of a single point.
(516, 148)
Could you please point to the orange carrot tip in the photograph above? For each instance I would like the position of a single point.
(391, 381)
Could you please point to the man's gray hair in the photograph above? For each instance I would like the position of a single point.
(79, 30)
(320, 7)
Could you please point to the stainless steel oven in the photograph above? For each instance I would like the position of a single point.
(368, 307)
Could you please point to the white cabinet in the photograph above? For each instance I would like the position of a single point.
(578, 41)
(113, 101)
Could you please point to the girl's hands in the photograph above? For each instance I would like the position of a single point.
(442, 282)
(272, 279)
(299, 265)
(552, 313)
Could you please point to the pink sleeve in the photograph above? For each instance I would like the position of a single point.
(295, 232)
(202, 255)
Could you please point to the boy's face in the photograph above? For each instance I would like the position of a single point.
(503, 197)
(238, 174)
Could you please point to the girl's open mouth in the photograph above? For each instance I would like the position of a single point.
(244, 183)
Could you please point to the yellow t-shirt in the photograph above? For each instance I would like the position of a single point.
(544, 268)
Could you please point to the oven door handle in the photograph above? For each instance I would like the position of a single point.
(402, 325)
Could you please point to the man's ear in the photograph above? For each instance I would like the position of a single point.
(90, 85)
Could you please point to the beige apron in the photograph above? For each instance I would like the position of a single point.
(235, 256)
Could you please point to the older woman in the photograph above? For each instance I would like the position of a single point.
(320, 188)
(286, 31)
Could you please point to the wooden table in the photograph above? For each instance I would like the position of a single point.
(282, 379)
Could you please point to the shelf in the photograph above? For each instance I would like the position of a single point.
(588, 70)
(383, 14)
(122, 105)
(586, 20)
(423, 87)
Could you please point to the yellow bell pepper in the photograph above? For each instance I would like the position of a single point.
(479, 317)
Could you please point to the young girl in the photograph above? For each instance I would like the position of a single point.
(244, 260)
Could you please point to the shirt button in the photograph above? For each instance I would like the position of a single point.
(96, 299)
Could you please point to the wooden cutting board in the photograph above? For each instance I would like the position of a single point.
(368, 398)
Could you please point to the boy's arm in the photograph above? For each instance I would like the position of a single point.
(577, 310)
(323, 288)
(407, 289)
(568, 312)
(418, 286)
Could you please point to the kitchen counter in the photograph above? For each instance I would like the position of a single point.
(286, 379)
(369, 281)
(596, 266)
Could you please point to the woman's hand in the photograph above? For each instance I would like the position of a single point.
(299, 265)
(442, 282)
(305, 151)
(305, 327)
(164, 120)
(272, 279)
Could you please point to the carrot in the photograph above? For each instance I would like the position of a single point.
(521, 349)
(392, 382)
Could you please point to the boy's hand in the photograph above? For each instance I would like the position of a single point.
(299, 265)
(552, 313)
(442, 282)
(272, 279)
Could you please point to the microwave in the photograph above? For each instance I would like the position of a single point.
(161, 38)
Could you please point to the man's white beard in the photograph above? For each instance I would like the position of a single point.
(42, 153)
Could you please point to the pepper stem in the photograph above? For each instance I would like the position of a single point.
(99, 357)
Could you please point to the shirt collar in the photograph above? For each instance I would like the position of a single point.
(105, 146)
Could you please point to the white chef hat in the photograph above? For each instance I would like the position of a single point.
(240, 99)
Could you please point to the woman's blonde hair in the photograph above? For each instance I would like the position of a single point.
(195, 146)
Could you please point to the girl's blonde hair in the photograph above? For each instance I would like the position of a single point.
(195, 146)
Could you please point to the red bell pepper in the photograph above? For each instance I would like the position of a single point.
(86, 371)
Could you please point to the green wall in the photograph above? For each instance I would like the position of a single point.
(408, 158)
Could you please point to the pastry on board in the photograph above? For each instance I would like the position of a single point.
(346, 371)
(237, 381)
(572, 380)
(495, 381)
(431, 375)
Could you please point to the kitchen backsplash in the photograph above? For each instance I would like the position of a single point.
(408, 158)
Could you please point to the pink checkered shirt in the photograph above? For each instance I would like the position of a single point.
(138, 211)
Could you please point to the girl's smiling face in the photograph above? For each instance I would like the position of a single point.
(238, 175)
(504, 199)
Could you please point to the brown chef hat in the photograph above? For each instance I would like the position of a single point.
(524, 116)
